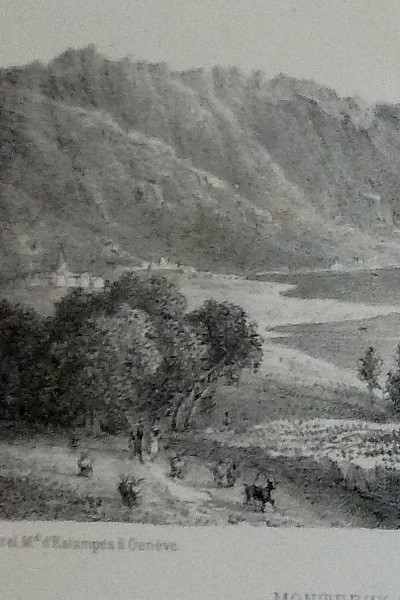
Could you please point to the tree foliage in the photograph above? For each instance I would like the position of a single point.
(184, 361)
(157, 296)
(117, 355)
(232, 340)
(24, 340)
(130, 347)
(232, 343)
(75, 309)
(369, 369)
(392, 387)
(392, 390)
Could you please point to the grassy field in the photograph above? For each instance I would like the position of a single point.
(263, 398)
(342, 343)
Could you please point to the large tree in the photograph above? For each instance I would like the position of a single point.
(102, 369)
(131, 347)
(233, 344)
(184, 362)
(232, 340)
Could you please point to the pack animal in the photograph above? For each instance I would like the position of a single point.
(130, 489)
(225, 474)
(176, 466)
(85, 465)
(261, 494)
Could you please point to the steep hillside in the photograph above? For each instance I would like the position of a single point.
(128, 161)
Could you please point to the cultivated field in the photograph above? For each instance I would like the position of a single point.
(363, 443)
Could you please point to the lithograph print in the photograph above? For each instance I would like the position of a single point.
(200, 250)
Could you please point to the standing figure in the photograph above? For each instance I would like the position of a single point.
(154, 443)
(176, 465)
(85, 465)
(138, 443)
(231, 475)
(218, 472)
(73, 442)
(132, 444)
(227, 420)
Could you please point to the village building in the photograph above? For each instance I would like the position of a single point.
(62, 277)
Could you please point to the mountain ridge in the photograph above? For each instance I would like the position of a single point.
(213, 168)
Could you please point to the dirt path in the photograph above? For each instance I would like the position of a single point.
(194, 500)
(177, 489)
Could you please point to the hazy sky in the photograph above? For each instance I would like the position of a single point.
(351, 45)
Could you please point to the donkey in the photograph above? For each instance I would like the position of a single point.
(129, 489)
(261, 494)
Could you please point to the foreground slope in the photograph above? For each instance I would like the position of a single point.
(50, 478)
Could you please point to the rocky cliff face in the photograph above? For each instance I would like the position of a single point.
(211, 168)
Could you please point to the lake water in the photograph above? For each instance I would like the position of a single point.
(344, 342)
(369, 287)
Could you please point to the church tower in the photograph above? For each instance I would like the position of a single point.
(62, 266)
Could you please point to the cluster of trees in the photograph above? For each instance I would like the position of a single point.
(370, 370)
(130, 348)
